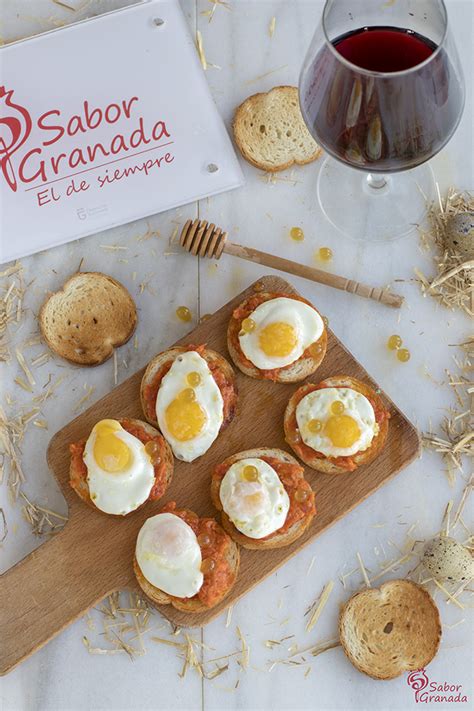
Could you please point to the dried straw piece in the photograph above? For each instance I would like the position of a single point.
(318, 606)
(200, 49)
(4, 525)
(271, 27)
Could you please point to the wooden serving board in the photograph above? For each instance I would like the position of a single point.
(92, 556)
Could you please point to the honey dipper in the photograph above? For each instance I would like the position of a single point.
(204, 239)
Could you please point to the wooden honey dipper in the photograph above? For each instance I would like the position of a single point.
(204, 239)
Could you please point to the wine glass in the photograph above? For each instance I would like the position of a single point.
(382, 91)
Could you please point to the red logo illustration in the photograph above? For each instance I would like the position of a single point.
(429, 692)
(15, 127)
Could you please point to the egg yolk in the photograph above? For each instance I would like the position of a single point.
(184, 416)
(111, 453)
(278, 339)
(342, 430)
(253, 502)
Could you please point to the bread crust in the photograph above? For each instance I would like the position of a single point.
(81, 487)
(399, 614)
(191, 605)
(210, 356)
(301, 369)
(324, 464)
(280, 540)
(237, 127)
(80, 344)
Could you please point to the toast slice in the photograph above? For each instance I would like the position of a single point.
(164, 360)
(88, 318)
(270, 131)
(81, 487)
(192, 604)
(277, 539)
(302, 368)
(322, 463)
(387, 631)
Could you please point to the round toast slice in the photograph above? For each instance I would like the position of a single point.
(270, 131)
(297, 371)
(90, 316)
(389, 630)
(81, 487)
(193, 604)
(322, 463)
(166, 358)
(277, 539)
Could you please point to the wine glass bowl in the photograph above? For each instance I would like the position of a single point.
(381, 90)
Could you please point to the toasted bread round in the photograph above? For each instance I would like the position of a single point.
(325, 464)
(211, 357)
(88, 318)
(389, 630)
(277, 540)
(193, 604)
(81, 487)
(270, 131)
(293, 373)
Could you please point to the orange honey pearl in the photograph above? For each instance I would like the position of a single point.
(297, 234)
(207, 566)
(250, 473)
(204, 539)
(183, 313)
(301, 495)
(394, 342)
(315, 426)
(403, 355)
(188, 395)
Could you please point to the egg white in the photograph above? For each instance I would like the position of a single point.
(208, 396)
(306, 321)
(265, 517)
(120, 492)
(169, 555)
(317, 406)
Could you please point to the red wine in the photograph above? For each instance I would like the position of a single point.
(387, 122)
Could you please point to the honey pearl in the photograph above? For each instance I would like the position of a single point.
(337, 407)
(193, 379)
(297, 234)
(250, 473)
(315, 425)
(325, 254)
(207, 565)
(188, 394)
(183, 313)
(394, 342)
(403, 355)
(248, 325)
(315, 349)
(204, 539)
(301, 495)
(152, 448)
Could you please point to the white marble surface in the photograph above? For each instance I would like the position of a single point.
(63, 675)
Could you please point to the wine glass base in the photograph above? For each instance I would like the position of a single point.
(372, 214)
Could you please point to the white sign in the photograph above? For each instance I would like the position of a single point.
(104, 122)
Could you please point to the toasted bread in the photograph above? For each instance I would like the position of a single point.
(270, 131)
(389, 630)
(193, 604)
(277, 540)
(293, 373)
(88, 318)
(325, 464)
(212, 358)
(81, 487)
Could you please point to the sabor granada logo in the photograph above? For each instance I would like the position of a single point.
(429, 692)
(65, 146)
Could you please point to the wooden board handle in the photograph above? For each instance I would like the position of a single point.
(35, 606)
(318, 275)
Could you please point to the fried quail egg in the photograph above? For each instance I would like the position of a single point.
(338, 422)
(278, 332)
(120, 474)
(169, 555)
(189, 406)
(254, 498)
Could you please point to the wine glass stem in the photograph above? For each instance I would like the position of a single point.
(376, 181)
